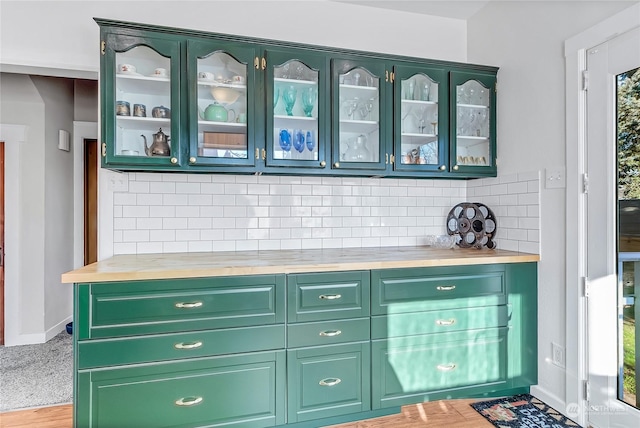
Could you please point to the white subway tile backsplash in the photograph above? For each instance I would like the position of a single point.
(207, 212)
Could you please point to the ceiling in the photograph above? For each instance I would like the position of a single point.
(459, 9)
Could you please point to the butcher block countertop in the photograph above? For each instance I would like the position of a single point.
(190, 265)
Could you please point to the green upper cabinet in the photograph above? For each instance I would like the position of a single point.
(360, 115)
(472, 123)
(297, 115)
(420, 117)
(141, 101)
(206, 102)
(222, 103)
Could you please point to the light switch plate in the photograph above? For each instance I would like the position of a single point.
(555, 178)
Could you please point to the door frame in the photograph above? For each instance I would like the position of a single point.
(81, 131)
(2, 161)
(576, 321)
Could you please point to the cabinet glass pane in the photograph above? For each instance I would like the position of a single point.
(222, 107)
(143, 101)
(295, 112)
(359, 116)
(472, 120)
(419, 113)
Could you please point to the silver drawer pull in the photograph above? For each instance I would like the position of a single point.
(192, 345)
(330, 296)
(330, 381)
(191, 305)
(446, 367)
(330, 333)
(446, 322)
(445, 287)
(188, 401)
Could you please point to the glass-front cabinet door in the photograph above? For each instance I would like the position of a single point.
(222, 94)
(420, 102)
(141, 101)
(359, 124)
(296, 105)
(473, 126)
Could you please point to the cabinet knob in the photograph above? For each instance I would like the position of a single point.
(174, 160)
(336, 165)
(456, 167)
(192, 159)
(442, 167)
(323, 164)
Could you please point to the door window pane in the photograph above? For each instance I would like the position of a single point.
(222, 107)
(359, 101)
(419, 115)
(472, 124)
(143, 103)
(628, 132)
(295, 107)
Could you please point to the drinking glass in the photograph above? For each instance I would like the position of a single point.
(311, 142)
(309, 97)
(276, 96)
(289, 97)
(298, 140)
(285, 140)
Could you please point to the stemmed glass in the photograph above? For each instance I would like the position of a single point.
(351, 106)
(309, 97)
(289, 97)
(418, 114)
(276, 97)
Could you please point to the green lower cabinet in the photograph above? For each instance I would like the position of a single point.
(245, 390)
(447, 365)
(328, 381)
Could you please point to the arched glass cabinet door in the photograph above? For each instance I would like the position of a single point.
(141, 93)
(359, 126)
(296, 102)
(221, 112)
(473, 124)
(420, 108)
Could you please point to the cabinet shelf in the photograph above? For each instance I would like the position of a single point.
(142, 123)
(143, 85)
(229, 127)
(294, 82)
(280, 121)
(469, 141)
(473, 106)
(412, 138)
(419, 102)
(364, 126)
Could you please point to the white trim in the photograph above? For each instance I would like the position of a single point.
(549, 398)
(576, 326)
(81, 131)
(53, 331)
(13, 136)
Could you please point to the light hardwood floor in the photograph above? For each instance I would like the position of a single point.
(450, 414)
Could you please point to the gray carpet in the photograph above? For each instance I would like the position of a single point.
(37, 375)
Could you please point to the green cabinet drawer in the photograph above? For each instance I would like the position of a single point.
(242, 390)
(410, 369)
(424, 289)
(327, 332)
(328, 381)
(325, 296)
(445, 320)
(147, 307)
(174, 346)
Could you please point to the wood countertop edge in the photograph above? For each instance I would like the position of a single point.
(78, 276)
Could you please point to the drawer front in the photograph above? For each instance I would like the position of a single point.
(413, 290)
(328, 381)
(147, 307)
(446, 320)
(327, 332)
(174, 346)
(406, 370)
(331, 295)
(243, 390)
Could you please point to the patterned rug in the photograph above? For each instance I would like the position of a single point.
(522, 410)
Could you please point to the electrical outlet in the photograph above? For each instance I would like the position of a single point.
(555, 178)
(557, 354)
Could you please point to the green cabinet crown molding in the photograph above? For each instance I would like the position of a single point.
(233, 104)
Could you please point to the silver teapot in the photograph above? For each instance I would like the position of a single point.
(159, 146)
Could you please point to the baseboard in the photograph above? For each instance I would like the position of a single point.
(53, 331)
(550, 399)
(35, 338)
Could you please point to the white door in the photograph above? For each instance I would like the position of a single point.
(609, 66)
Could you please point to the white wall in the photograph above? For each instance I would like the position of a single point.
(58, 97)
(21, 104)
(62, 38)
(526, 40)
